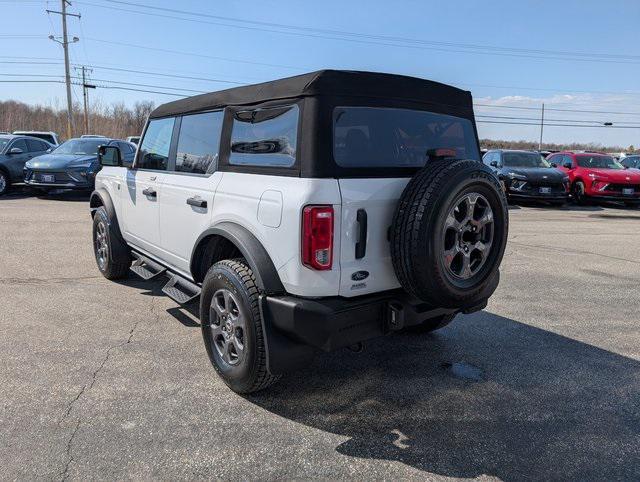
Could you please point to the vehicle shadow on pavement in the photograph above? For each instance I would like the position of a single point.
(188, 315)
(486, 395)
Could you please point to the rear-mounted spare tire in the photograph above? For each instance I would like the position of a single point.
(449, 234)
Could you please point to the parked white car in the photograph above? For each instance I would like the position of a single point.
(50, 137)
(309, 213)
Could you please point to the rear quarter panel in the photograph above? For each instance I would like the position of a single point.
(270, 207)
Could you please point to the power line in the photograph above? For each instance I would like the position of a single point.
(555, 109)
(554, 125)
(374, 39)
(192, 54)
(551, 120)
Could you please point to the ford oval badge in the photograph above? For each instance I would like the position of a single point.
(360, 275)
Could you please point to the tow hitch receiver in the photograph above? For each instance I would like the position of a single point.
(395, 316)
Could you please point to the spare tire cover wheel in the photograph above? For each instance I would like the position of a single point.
(449, 233)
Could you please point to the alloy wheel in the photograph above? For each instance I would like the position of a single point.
(101, 245)
(468, 236)
(228, 325)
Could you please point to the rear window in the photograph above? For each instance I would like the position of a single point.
(265, 137)
(45, 137)
(387, 137)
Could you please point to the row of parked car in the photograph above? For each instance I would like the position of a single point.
(582, 176)
(37, 159)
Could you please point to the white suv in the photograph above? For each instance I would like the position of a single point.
(308, 213)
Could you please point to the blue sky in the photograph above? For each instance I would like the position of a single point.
(580, 55)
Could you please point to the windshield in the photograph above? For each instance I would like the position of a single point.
(523, 159)
(386, 137)
(598, 162)
(80, 146)
(3, 143)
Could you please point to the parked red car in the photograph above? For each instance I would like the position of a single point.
(598, 176)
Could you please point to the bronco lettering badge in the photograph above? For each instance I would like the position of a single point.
(360, 275)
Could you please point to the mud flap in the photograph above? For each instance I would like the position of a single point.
(284, 355)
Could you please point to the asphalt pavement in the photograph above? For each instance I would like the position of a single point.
(105, 380)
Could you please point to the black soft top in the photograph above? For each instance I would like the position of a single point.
(332, 83)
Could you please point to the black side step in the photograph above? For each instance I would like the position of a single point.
(180, 290)
(146, 268)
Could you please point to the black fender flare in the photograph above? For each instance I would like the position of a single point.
(119, 250)
(252, 250)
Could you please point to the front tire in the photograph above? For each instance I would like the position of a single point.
(103, 249)
(232, 327)
(5, 182)
(578, 193)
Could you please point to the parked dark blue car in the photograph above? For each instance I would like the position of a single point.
(72, 165)
(15, 151)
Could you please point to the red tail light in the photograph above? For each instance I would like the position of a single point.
(317, 237)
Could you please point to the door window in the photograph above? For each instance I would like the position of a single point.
(36, 146)
(154, 150)
(567, 159)
(199, 142)
(20, 144)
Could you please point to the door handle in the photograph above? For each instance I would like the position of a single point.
(149, 192)
(361, 245)
(197, 202)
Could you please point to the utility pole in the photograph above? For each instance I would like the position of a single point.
(541, 128)
(85, 96)
(65, 45)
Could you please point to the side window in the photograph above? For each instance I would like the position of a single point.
(124, 147)
(35, 146)
(154, 150)
(567, 159)
(486, 159)
(20, 144)
(265, 137)
(199, 142)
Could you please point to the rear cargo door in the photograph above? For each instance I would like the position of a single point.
(368, 206)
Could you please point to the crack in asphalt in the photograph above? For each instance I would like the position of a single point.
(64, 474)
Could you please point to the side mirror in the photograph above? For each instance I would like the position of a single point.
(553, 164)
(15, 150)
(494, 164)
(109, 156)
(49, 150)
(567, 165)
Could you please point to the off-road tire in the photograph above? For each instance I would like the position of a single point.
(251, 374)
(108, 267)
(431, 325)
(417, 233)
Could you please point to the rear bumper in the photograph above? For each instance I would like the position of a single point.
(331, 323)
